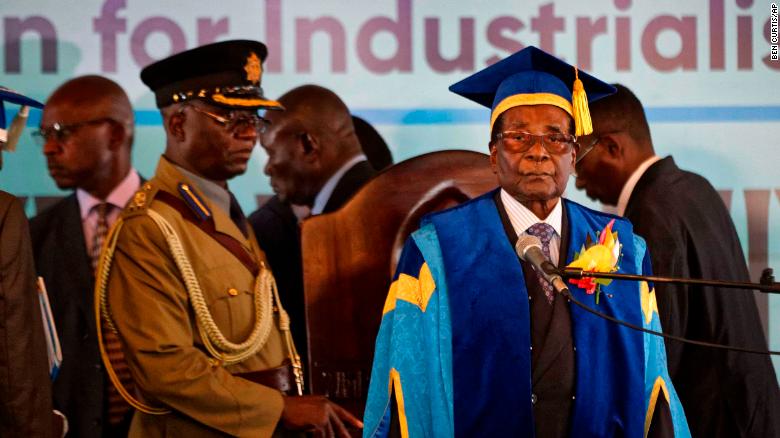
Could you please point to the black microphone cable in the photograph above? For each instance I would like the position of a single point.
(568, 295)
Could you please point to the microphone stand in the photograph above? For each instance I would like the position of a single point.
(767, 285)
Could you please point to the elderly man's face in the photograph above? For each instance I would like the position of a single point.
(289, 166)
(535, 174)
(220, 141)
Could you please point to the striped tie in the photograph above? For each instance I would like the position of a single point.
(101, 230)
(117, 406)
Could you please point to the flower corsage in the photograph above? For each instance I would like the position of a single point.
(601, 256)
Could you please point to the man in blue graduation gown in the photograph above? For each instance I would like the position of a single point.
(472, 341)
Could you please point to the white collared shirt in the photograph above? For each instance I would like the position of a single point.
(323, 196)
(118, 198)
(628, 187)
(522, 218)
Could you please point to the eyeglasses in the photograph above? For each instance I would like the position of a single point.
(234, 121)
(586, 150)
(519, 141)
(62, 133)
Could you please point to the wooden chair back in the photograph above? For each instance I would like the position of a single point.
(350, 255)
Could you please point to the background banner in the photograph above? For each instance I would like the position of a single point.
(706, 71)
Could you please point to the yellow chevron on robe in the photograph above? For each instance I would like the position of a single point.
(659, 386)
(395, 384)
(417, 291)
(649, 303)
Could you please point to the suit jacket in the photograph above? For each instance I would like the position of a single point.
(355, 178)
(153, 314)
(278, 234)
(25, 387)
(277, 231)
(61, 259)
(690, 234)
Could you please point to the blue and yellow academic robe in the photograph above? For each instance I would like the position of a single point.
(453, 346)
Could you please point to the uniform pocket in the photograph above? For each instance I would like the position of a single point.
(228, 292)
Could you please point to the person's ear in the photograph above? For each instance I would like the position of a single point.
(312, 149)
(612, 146)
(174, 125)
(493, 157)
(117, 135)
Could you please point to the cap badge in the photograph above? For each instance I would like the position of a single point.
(253, 68)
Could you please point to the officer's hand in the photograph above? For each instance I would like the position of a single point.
(315, 413)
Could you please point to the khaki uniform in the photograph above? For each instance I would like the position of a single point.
(152, 312)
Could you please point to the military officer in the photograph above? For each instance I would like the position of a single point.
(182, 280)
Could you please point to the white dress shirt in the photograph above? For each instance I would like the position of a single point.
(522, 218)
(323, 196)
(628, 187)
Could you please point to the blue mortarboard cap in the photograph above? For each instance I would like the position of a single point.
(11, 96)
(534, 77)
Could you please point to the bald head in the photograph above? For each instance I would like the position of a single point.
(88, 127)
(620, 143)
(94, 97)
(622, 111)
(308, 142)
(322, 113)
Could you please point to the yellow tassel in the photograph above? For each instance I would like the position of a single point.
(579, 101)
(16, 128)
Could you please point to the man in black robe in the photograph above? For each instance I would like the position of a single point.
(690, 234)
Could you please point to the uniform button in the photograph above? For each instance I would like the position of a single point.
(533, 399)
(233, 291)
(575, 348)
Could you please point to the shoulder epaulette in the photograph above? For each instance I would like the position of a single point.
(194, 201)
(141, 200)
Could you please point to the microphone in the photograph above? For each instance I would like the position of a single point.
(529, 249)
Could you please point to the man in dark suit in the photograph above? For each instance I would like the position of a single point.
(87, 134)
(690, 234)
(25, 388)
(315, 160)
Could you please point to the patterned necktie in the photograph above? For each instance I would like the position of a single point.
(117, 406)
(101, 230)
(545, 233)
